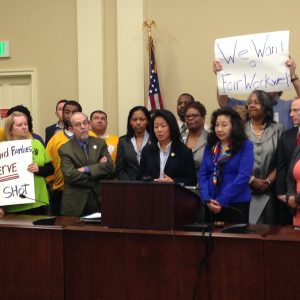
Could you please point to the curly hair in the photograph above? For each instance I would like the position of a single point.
(198, 106)
(266, 102)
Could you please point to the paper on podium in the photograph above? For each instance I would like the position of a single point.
(92, 218)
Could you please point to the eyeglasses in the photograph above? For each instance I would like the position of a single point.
(191, 116)
(255, 102)
(80, 124)
(295, 110)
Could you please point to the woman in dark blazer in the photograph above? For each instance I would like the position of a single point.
(226, 168)
(166, 158)
(130, 146)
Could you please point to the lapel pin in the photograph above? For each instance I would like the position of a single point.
(172, 154)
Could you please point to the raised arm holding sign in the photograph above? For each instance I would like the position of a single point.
(243, 63)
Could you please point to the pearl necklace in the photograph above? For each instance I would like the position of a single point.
(257, 134)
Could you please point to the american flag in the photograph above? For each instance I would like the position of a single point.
(154, 99)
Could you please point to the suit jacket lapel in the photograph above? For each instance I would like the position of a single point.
(201, 141)
(78, 152)
(171, 161)
(93, 150)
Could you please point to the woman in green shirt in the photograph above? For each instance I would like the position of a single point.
(16, 128)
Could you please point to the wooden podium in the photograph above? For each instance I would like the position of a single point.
(140, 205)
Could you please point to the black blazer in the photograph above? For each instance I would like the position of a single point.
(180, 164)
(127, 165)
(286, 146)
(49, 132)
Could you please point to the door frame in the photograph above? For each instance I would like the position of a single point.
(32, 72)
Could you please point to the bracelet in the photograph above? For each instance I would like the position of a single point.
(295, 78)
(251, 179)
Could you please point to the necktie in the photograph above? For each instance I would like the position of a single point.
(85, 150)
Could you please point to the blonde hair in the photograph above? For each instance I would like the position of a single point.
(9, 122)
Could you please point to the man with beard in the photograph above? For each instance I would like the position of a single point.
(56, 181)
(85, 160)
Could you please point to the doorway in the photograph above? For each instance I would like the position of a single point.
(18, 87)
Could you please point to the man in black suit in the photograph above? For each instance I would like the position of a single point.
(286, 147)
(52, 129)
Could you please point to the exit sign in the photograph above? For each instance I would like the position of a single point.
(4, 49)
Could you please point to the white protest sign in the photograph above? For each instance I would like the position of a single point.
(15, 156)
(253, 62)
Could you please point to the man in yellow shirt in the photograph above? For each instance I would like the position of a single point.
(56, 181)
(98, 123)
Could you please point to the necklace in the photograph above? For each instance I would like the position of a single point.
(257, 134)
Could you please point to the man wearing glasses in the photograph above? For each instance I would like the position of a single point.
(85, 160)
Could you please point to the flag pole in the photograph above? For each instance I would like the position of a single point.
(148, 24)
(154, 96)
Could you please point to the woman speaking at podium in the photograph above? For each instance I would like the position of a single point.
(226, 168)
(165, 158)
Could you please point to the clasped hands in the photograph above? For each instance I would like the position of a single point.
(165, 178)
(214, 206)
(289, 200)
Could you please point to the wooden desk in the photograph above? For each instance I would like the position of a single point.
(139, 264)
(74, 260)
(31, 260)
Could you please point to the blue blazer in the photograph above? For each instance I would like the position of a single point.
(180, 164)
(234, 187)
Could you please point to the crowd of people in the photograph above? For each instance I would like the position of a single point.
(245, 164)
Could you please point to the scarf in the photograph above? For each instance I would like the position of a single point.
(219, 159)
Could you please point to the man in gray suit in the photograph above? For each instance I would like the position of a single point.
(84, 162)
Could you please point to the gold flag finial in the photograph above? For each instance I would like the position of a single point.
(149, 24)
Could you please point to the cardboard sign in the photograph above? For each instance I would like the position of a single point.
(15, 156)
(253, 62)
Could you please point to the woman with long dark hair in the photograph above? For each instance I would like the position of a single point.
(166, 158)
(130, 146)
(226, 168)
(264, 133)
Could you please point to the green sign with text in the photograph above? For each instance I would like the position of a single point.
(4, 49)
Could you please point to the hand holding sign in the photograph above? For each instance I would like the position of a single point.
(16, 177)
(252, 62)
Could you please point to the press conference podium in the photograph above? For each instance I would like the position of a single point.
(147, 205)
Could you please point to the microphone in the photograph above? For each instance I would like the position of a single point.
(237, 228)
(23, 196)
(200, 225)
(43, 221)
